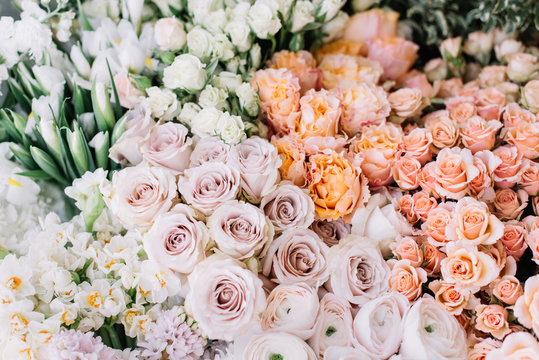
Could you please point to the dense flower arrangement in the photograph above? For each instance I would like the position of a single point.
(242, 197)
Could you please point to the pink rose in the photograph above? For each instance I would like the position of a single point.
(371, 24)
(417, 80)
(167, 145)
(447, 88)
(516, 346)
(209, 149)
(127, 92)
(492, 75)
(462, 112)
(490, 102)
(509, 204)
(513, 115)
(364, 104)
(527, 306)
(395, 54)
(451, 297)
(454, 170)
(525, 136)
(529, 181)
(432, 258)
(443, 130)
(407, 248)
(417, 144)
(437, 222)
(406, 279)
(481, 349)
(406, 206)
(513, 238)
(492, 319)
(405, 171)
(482, 186)
(331, 231)
(478, 134)
(427, 179)
(507, 289)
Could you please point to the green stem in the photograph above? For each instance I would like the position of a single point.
(104, 336)
(115, 340)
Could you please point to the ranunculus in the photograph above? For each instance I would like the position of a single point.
(405, 171)
(490, 102)
(423, 204)
(529, 181)
(364, 104)
(406, 279)
(177, 239)
(336, 187)
(526, 308)
(513, 115)
(258, 163)
(454, 170)
(417, 144)
(169, 34)
(436, 224)
(481, 349)
(208, 185)
(128, 94)
(339, 70)
(279, 93)
(509, 172)
(492, 75)
(357, 270)
(345, 353)
(530, 96)
(302, 64)
(507, 289)
(432, 333)
(510, 204)
(291, 308)
(473, 223)
(140, 193)
(167, 145)
(277, 345)
(521, 67)
(331, 231)
(407, 248)
(367, 25)
(468, 267)
(240, 230)
(406, 102)
(492, 319)
(443, 130)
(137, 125)
(298, 255)
(395, 54)
(482, 186)
(513, 239)
(288, 207)
(516, 346)
(525, 136)
(292, 155)
(209, 149)
(478, 134)
(378, 325)
(451, 297)
(333, 324)
(225, 297)
(320, 114)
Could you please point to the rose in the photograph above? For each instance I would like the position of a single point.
(333, 324)
(185, 73)
(521, 67)
(378, 325)
(344, 71)
(127, 92)
(363, 104)
(357, 270)
(432, 333)
(206, 186)
(451, 48)
(478, 43)
(492, 319)
(177, 239)
(513, 239)
(200, 43)
(509, 204)
(169, 34)
(225, 297)
(277, 345)
(320, 114)
(506, 48)
(509, 172)
(167, 145)
(436, 224)
(371, 24)
(462, 112)
(468, 267)
(405, 171)
(262, 18)
(481, 349)
(532, 239)
(516, 346)
(482, 185)
(406, 279)
(433, 258)
(525, 136)
(530, 96)
(435, 69)
(298, 255)
(492, 75)
(330, 231)
(507, 289)
(477, 134)
(407, 248)
(292, 155)
(489, 102)
(209, 149)
(406, 102)
(137, 125)
(529, 181)
(163, 103)
(473, 224)
(288, 207)
(405, 205)
(526, 308)
(258, 163)
(291, 308)
(230, 128)
(335, 186)
(302, 64)
(140, 193)
(417, 144)
(443, 130)
(279, 93)
(423, 204)
(395, 54)
(205, 122)
(454, 170)
(451, 297)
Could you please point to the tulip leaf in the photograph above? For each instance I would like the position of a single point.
(35, 174)
(117, 106)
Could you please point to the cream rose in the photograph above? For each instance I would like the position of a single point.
(357, 270)
(277, 345)
(209, 149)
(225, 297)
(288, 207)
(291, 308)
(443, 130)
(527, 306)
(530, 96)
(169, 34)
(516, 346)
(240, 230)
(407, 102)
(177, 239)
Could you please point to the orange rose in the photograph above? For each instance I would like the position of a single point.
(417, 144)
(405, 171)
(320, 114)
(371, 24)
(406, 206)
(302, 64)
(395, 54)
(339, 69)
(439, 218)
(454, 170)
(407, 248)
(342, 46)
(507, 289)
(364, 104)
(406, 279)
(509, 204)
(490, 102)
(423, 204)
(509, 172)
(462, 112)
(525, 136)
(443, 130)
(529, 181)
(279, 93)
(335, 186)
(492, 319)
(478, 134)
(513, 115)
(513, 239)
(452, 298)
(292, 154)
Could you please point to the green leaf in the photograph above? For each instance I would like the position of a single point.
(312, 26)
(83, 19)
(141, 82)
(119, 129)
(19, 121)
(536, 17)
(167, 57)
(117, 106)
(10, 127)
(17, 91)
(78, 100)
(24, 157)
(104, 115)
(35, 174)
(47, 164)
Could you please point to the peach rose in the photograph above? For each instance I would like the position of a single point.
(405, 171)
(417, 144)
(423, 204)
(462, 112)
(335, 186)
(292, 155)
(417, 80)
(532, 239)
(509, 204)
(451, 48)
(302, 64)
(481, 349)
(451, 297)
(448, 88)
(510, 90)
(509, 172)
(513, 115)
(530, 96)
(478, 134)
(525, 136)
(406, 279)
(342, 46)
(521, 67)
(339, 69)
(407, 248)
(128, 94)
(435, 69)
(364, 104)
(492, 75)
(320, 114)
(482, 186)
(492, 319)
(406, 206)
(473, 223)
(371, 24)
(490, 102)
(527, 306)
(506, 47)
(468, 267)
(395, 54)
(279, 92)
(513, 239)
(427, 179)
(432, 258)
(437, 222)
(529, 181)
(407, 102)
(443, 130)
(507, 289)
(516, 346)
(454, 170)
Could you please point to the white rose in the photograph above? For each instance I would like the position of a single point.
(177, 239)
(230, 128)
(214, 21)
(335, 28)
(302, 15)
(521, 67)
(199, 42)
(432, 333)
(204, 123)
(240, 230)
(248, 99)
(186, 73)
(227, 80)
(508, 47)
(329, 8)
(169, 34)
(213, 97)
(292, 309)
(188, 113)
(223, 49)
(277, 345)
(209, 149)
(263, 19)
(163, 103)
(240, 34)
(479, 43)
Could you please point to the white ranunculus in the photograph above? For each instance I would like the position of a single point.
(199, 42)
(277, 345)
(432, 333)
(302, 15)
(263, 19)
(169, 34)
(162, 102)
(213, 97)
(346, 353)
(204, 123)
(230, 128)
(186, 73)
(378, 325)
(240, 34)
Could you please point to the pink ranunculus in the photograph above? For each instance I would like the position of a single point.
(209, 149)
(395, 54)
(281, 344)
